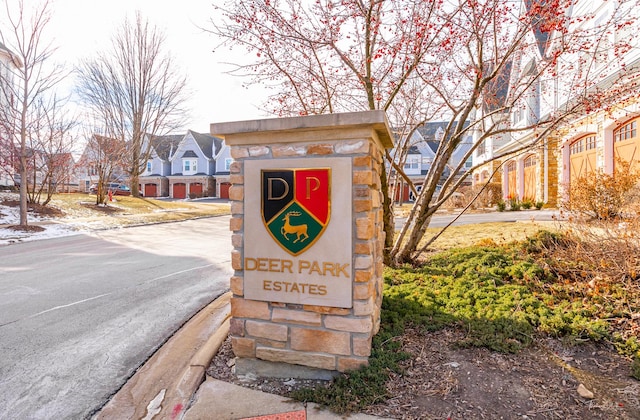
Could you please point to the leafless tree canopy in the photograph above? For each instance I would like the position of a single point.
(134, 89)
(26, 94)
(50, 143)
(419, 61)
(104, 156)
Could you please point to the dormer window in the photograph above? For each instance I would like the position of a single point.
(412, 162)
(148, 170)
(189, 166)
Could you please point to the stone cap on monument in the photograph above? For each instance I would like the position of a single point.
(325, 127)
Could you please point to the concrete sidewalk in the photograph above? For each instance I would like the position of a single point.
(173, 384)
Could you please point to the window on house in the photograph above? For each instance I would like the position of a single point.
(530, 161)
(227, 164)
(412, 162)
(482, 148)
(583, 144)
(626, 132)
(189, 166)
(149, 166)
(518, 113)
(577, 146)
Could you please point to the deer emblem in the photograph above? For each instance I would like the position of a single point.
(288, 229)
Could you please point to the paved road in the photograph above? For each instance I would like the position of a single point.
(441, 220)
(78, 315)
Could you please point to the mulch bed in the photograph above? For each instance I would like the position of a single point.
(102, 208)
(27, 228)
(443, 381)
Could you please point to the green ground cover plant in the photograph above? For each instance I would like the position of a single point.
(503, 296)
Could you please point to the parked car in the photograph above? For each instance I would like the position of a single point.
(114, 187)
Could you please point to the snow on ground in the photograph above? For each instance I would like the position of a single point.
(10, 215)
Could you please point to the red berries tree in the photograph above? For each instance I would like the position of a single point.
(473, 64)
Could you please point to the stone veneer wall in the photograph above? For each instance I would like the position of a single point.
(553, 181)
(328, 338)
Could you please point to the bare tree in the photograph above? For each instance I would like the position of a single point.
(103, 156)
(332, 56)
(419, 61)
(50, 144)
(504, 61)
(26, 89)
(134, 89)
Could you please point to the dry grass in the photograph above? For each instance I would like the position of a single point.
(498, 232)
(131, 210)
(472, 234)
(127, 210)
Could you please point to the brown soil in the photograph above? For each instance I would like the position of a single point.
(442, 381)
(36, 208)
(27, 228)
(103, 209)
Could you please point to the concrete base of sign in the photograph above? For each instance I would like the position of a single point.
(265, 369)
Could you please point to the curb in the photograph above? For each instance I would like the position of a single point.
(166, 383)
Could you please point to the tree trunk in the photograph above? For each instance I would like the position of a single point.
(135, 180)
(23, 192)
(387, 217)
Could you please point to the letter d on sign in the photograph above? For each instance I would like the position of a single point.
(270, 188)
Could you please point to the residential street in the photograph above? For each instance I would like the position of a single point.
(442, 219)
(79, 314)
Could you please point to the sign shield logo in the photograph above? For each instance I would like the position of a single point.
(296, 206)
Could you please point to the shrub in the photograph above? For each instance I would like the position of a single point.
(503, 297)
(514, 203)
(598, 263)
(490, 195)
(605, 196)
(459, 198)
(539, 204)
(501, 205)
(635, 367)
(527, 204)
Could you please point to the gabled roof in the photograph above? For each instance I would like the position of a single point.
(12, 56)
(107, 145)
(205, 142)
(541, 24)
(432, 133)
(494, 95)
(430, 130)
(413, 150)
(217, 143)
(189, 154)
(165, 145)
(63, 157)
(418, 143)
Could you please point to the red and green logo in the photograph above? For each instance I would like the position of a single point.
(296, 205)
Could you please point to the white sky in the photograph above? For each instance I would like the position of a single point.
(81, 27)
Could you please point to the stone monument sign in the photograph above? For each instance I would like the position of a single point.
(307, 235)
